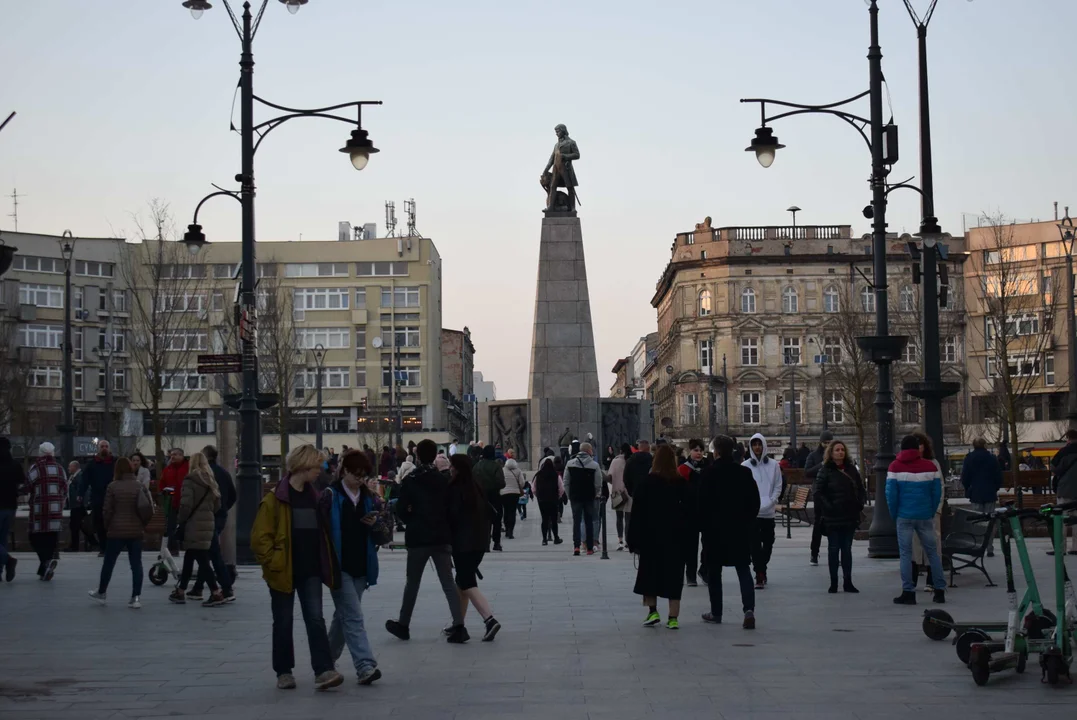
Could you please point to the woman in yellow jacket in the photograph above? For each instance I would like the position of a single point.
(292, 546)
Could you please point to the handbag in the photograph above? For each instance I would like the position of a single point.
(144, 506)
(381, 532)
(181, 528)
(618, 500)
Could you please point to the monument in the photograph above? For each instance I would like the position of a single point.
(563, 400)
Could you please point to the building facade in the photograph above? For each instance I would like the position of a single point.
(458, 382)
(1018, 330)
(32, 308)
(755, 323)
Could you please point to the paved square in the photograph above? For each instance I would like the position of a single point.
(572, 648)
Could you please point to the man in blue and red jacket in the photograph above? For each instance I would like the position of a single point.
(913, 493)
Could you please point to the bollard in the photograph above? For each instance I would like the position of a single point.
(605, 551)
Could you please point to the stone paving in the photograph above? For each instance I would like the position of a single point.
(572, 648)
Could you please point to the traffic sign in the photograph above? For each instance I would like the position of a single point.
(219, 364)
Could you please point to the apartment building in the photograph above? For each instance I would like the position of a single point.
(755, 323)
(1015, 285)
(369, 310)
(32, 308)
(458, 381)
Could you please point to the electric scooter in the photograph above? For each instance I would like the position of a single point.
(985, 657)
(938, 624)
(165, 566)
(1055, 660)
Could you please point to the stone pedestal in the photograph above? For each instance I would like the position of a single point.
(563, 383)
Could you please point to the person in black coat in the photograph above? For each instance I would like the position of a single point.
(811, 466)
(12, 478)
(839, 498)
(638, 467)
(657, 534)
(727, 509)
(470, 516)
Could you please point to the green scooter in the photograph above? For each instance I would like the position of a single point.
(938, 624)
(1055, 660)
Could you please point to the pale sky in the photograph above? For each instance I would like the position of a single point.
(126, 100)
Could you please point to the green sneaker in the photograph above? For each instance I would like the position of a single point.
(652, 620)
(672, 624)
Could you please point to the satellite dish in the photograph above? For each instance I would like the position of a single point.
(376, 342)
(667, 422)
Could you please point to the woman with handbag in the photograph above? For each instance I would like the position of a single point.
(356, 528)
(128, 509)
(619, 497)
(200, 499)
(510, 495)
(839, 498)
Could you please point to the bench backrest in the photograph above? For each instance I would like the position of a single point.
(962, 523)
(1027, 478)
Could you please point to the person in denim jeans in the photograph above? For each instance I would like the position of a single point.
(12, 478)
(913, 493)
(349, 510)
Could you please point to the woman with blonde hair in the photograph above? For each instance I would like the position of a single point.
(291, 542)
(200, 498)
(839, 501)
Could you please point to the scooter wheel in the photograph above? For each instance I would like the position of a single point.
(980, 665)
(1037, 625)
(1052, 667)
(965, 642)
(937, 624)
(158, 575)
(1022, 661)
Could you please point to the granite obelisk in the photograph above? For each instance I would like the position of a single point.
(563, 384)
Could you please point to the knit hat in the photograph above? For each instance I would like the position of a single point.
(825, 437)
(46, 448)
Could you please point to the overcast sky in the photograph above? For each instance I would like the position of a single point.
(122, 101)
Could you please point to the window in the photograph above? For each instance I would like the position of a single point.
(1049, 369)
(226, 271)
(831, 303)
(94, 269)
(178, 380)
(321, 298)
(270, 270)
(835, 408)
(188, 340)
(401, 297)
(38, 264)
(706, 357)
(77, 299)
(790, 351)
(381, 269)
(309, 338)
(832, 350)
(691, 409)
(910, 410)
(360, 377)
(185, 302)
(690, 238)
(949, 349)
(332, 377)
(316, 270)
(179, 422)
(183, 271)
(41, 336)
(119, 379)
(102, 301)
(909, 353)
(76, 376)
(405, 377)
(360, 298)
(43, 296)
(119, 301)
(118, 341)
(705, 308)
(906, 299)
(749, 351)
(216, 301)
(783, 405)
(46, 377)
(76, 341)
(867, 299)
(750, 408)
(360, 343)
(405, 337)
(747, 301)
(790, 301)
(1019, 367)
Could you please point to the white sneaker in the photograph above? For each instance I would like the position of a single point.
(134, 603)
(99, 597)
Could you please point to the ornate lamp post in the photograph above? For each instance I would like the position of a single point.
(1068, 234)
(105, 353)
(66, 428)
(319, 365)
(882, 349)
(358, 147)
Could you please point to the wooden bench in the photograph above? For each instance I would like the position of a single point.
(967, 543)
(794, 503)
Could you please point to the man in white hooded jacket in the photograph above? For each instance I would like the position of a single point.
(768, 478)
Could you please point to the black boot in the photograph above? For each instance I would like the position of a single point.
(905, 598)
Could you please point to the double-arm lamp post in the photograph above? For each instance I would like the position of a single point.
(359, 148)
(66, 428)
(1068, 231)
(319, 367)
(882, 349)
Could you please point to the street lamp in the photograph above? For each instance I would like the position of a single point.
(318, 351)
(66, 428)
(822, 359)
(882, 349)
(794, 210)
(791, 364)
(105, 353)
(358, 147)
(1066, 229)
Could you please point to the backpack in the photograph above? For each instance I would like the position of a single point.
(144, 505)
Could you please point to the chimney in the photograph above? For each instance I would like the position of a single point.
(1056, 210)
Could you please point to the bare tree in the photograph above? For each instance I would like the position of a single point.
(168, 319)
(1018, 306)
(849, 372)
(14, 375)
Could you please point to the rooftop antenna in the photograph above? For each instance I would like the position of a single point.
(409, 208)
(390, 219)
(14, 214)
